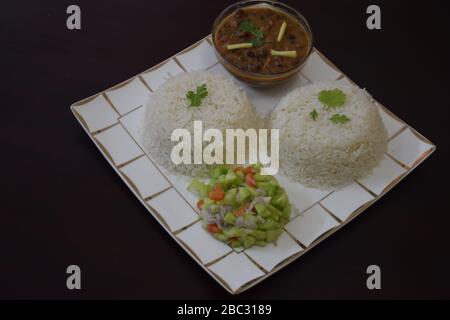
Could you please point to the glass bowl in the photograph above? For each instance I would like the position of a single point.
(254, 78)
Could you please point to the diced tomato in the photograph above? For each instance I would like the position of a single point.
(241, 210)
(200, 204)
(217, 193)
(213, 228)
(250, 180)
(249, 169)
(245, 170)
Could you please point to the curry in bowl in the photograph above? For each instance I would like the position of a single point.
(262, 44)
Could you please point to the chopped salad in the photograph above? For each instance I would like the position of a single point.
(241, 207)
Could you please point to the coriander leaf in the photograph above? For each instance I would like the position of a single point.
(313, 114)
(332, 98)
(251, 28)
(247, 26)
(196, 98)
(339, 118)
(257, 42)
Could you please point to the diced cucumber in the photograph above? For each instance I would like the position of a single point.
(257, 167)
(221, 180)
(230, 197)
(272, 209)
(280, 191)
(274, 181)
(236, 244)
(250, 219)
(249, 241)
(263, 186)
(272, 235)
(219, 170)
(258, 234)
(268, 187)
(260, 243)
(198, 188)
(234, 232)
(231, 177)
(262, 178)
(212, 182)
(240, 175)
(214, 208)
(287, 210)
(252, 191)
(243, 194)
(266, 213)
(260, 207)
(207, 202)
(229, 218)
(220, 236)
(272, 191)
(275, 216)
(283, 221)
(269, 225)
(280, 200)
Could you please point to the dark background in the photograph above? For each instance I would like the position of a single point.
(62, 204)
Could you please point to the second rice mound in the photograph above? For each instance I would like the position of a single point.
(225, 107)
(322, 153)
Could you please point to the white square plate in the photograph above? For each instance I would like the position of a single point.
(317, 69)
(392, 125)
(97, 113)
(156, 77)
(166, 198)
(128, 96)
(201, 57)
(309, 226)
(118, 144)
(205, 247)
(236, 270)
(408, 148)
(174, 210)
(146, 178)
(273, 254)
(383, 176)
(343, 202)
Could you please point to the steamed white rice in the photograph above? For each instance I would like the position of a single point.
(225, 107)
(323, 154)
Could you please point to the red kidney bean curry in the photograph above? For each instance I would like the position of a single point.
(262, 40)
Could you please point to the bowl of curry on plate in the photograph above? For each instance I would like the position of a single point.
(262, 42)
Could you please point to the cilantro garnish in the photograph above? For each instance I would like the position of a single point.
(196, 98)
(339, 118)
(251, 28)
(313, 114)
(332, 98)
(257, 42)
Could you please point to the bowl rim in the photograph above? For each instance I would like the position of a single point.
(277, 5)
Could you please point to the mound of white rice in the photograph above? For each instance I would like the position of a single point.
(323, 154)
(225, 107)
